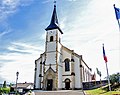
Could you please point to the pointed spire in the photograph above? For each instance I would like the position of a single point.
(54, 16)
(54, 20)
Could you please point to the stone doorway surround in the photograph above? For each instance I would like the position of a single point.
(49, 82)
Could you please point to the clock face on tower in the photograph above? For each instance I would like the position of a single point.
(51, 32)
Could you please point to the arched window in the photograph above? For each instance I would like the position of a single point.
(67, 65)
(51, 38)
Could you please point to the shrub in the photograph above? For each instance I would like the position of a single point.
(4, 90)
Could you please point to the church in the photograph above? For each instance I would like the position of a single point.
(59, 68)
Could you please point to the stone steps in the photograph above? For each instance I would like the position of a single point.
(62, 92)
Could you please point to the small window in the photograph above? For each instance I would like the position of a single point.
(59, 40)
(51, 38)
(67, 65)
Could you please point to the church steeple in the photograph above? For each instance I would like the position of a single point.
(54, 21)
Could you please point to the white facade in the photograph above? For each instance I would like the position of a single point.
(59, 67)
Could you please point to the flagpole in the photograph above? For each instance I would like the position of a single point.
(105, 58)
(108, 78)
(118, 24)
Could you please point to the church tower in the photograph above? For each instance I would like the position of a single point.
(53, 65)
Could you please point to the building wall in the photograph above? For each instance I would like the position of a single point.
(60, 68)
(60, 77)
(51, 46)
(86, 72)
(67, 74)
(37, 81)
(42, 71)
(66, 55)
(77, 73)
(50, 58)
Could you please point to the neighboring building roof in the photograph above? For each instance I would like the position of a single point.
(23, 85)
(54, 22)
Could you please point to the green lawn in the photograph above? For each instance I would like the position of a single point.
(99, 91)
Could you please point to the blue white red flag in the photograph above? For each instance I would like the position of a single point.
(104, 56)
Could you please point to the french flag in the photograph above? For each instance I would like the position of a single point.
(104, 56)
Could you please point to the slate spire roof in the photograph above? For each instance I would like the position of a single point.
(54, 21)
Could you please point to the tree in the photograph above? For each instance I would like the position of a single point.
(4, 84)
(114, 78)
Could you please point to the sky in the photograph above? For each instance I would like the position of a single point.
(86, 25)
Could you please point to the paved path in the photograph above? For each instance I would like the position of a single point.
(60, 92)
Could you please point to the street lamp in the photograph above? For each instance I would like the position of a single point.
(17, 73)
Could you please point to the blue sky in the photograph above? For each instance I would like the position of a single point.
(86, 24)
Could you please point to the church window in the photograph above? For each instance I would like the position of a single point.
(67, 65)
(59, 40)
(51, 38)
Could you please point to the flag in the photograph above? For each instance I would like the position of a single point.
(117, 12)
(98, 72)
(104, 56)
(94, 76)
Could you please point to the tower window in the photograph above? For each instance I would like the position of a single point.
(67, 65)
(59, 40)
(51, 38)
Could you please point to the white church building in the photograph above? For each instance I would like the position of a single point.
(59, 67)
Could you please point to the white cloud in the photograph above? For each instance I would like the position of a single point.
(8, 7)
(62, 22)
(2, 33)
(11, 3)
(26, 46)
(71, 0)
(23, 56)
(47, 1)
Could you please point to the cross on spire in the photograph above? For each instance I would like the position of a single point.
(54, 3)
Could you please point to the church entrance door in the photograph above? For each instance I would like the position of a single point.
(67, 84)
(49, 84)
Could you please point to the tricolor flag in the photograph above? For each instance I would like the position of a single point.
(104, 56)
(117, 12)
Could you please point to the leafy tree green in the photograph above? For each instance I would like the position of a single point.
(4, 84)
(4, 90)
(114, 78)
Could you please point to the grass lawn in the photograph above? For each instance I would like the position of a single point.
(99, 91)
